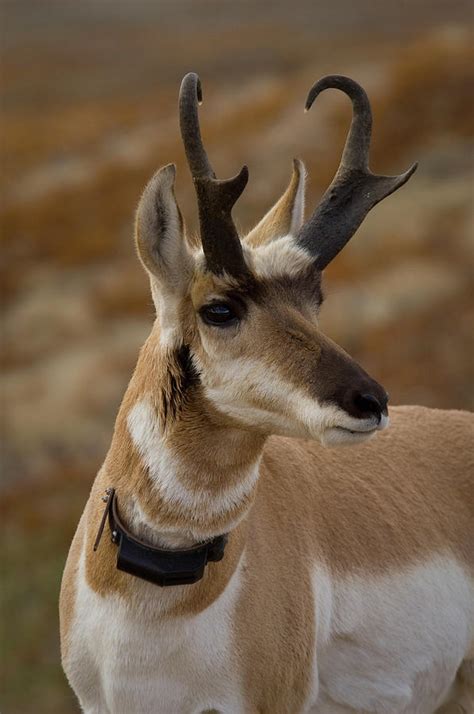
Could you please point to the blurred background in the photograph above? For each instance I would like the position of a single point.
(88, 113)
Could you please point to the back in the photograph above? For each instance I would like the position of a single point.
(382, 503)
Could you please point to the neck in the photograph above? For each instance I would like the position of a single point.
(181, 479)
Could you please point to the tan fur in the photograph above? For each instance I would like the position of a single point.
(124, 470)
(68, 591)
(379, 518)
(371, 509)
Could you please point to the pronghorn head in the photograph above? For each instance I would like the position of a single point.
(237, 318)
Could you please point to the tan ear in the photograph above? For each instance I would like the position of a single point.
(286, 216)
(159, 234)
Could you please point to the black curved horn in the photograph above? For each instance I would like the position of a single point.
(354, 189)
(216, 198)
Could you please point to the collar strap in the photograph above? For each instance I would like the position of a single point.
(158, 566)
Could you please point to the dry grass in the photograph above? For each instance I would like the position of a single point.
(37, 526)
(429, 98)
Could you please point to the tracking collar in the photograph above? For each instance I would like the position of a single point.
(158, 566)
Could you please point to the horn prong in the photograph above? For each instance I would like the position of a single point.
(354, 189)
(216, 198)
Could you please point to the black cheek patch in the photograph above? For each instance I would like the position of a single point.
(189, 373)
(181, 382)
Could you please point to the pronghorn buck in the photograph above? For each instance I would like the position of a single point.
(227, 561)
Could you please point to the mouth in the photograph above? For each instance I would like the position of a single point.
(357, 431)
(354, 434)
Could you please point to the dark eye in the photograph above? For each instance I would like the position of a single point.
(220, 314)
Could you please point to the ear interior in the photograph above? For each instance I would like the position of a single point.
(159, 233)
(287, 215)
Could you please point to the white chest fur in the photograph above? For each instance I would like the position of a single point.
(137, 663)
(392, 644)
(389, 644)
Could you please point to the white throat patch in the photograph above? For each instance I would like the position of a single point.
(165, 467)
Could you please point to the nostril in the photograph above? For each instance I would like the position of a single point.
(368, 404)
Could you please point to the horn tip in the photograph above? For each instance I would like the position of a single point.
(198, 90)
(298, 165)
(241, 178)
(338, 81)
(408, 174)
(191, 78)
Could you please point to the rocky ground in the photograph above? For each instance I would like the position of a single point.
(89, 113)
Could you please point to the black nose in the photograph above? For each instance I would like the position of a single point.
(369, 405)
